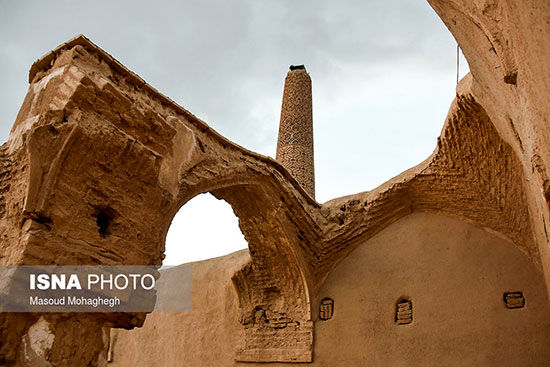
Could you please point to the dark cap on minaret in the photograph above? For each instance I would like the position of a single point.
(295, 142)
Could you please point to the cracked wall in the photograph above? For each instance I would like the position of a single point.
(98, 163)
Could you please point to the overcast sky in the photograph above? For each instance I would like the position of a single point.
(383, 74)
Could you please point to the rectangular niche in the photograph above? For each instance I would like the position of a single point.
(326, 309)
(403, 314)
(514, 300)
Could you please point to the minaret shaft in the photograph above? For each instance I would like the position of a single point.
(295, 142)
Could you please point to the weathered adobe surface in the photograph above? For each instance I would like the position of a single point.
(92, 137)
(472, 175)
(454, 272)
(507, 47)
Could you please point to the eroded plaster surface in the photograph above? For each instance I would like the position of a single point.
(93, 139)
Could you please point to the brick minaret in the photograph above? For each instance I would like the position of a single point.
(295, 143)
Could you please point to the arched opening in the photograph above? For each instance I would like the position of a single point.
(270, 278)
(204, 228)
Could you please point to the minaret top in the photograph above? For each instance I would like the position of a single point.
(297, 67)
(295, 142)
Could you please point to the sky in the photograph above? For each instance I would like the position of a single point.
(383, 77)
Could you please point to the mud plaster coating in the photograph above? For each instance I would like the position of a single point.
(459, 319)
(92, 137)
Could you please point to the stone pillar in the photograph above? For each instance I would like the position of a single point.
(295, 142)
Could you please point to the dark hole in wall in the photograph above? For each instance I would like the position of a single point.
(104, 220)
(511, 78)
(201, 145)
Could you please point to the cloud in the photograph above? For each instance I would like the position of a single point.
(226, 60)
(383, 71)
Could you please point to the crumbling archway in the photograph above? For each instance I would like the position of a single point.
(98, 162)
(272, 291)
(203, 228)
(112, 162)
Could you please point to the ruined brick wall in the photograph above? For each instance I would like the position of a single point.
(507, 47)
(93, 138)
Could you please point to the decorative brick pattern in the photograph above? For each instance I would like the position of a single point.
(514, 300)
(326, 309)
(295, 142)
(404, 312)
